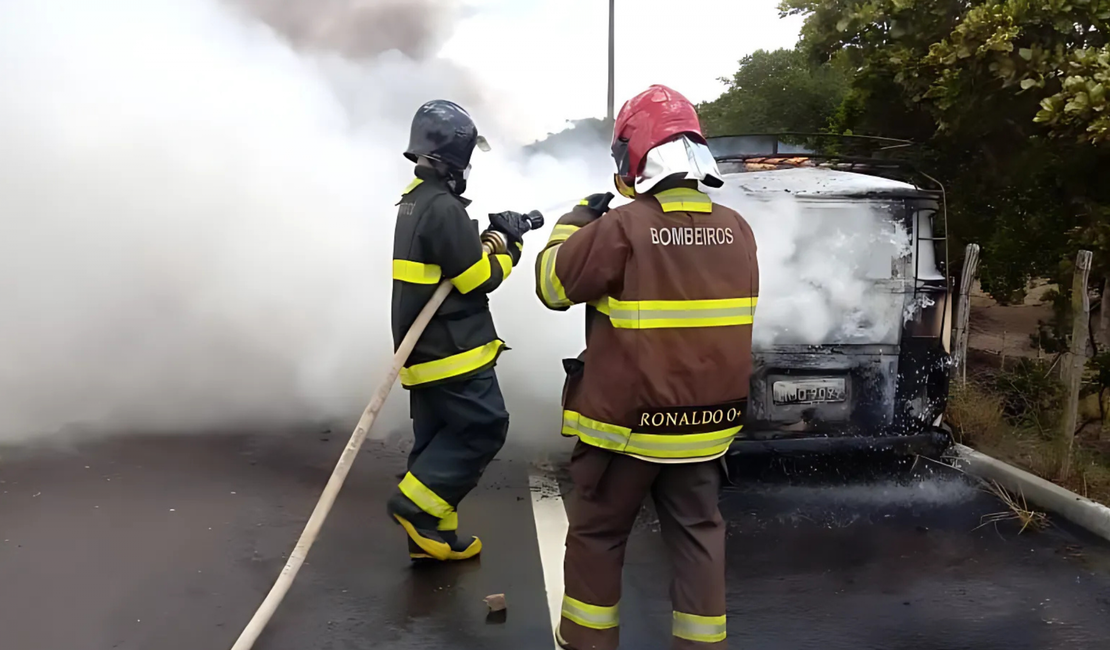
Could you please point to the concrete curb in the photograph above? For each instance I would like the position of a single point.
(1081, 511)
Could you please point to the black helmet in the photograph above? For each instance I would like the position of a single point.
(444, 131)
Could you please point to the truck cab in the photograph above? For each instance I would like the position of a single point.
(851, 340)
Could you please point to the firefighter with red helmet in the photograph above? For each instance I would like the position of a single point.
(670, 281)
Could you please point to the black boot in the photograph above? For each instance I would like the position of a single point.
(417, 554)
(423, 533)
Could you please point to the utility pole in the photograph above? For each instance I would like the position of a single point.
(612, 32)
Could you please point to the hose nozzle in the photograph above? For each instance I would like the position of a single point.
(535, 220)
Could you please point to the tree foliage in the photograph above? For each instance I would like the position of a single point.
(584, 133)
(1009, 98)
(777, 91)
(1054, 53)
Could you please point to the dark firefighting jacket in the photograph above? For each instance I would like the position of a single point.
(434, 240)
(671, 282)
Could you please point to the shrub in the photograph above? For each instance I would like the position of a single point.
(1030, 393)
(975, 414)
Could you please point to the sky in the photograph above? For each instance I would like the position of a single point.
(545, 61)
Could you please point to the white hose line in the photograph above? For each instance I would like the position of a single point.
(323, 507)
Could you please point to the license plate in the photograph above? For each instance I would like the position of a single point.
(808, 391)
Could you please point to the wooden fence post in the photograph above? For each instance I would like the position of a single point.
(1104, 315)
(1076, 357)
(963, 316)
(1104, 342)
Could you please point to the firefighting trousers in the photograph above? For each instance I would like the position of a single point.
(609, 489)
(458, 428)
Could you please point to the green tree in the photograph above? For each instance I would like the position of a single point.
(1008, 97)
(584, 133)
(776, 91)
(1052, 56)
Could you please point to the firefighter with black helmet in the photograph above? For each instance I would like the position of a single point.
(670, 281)
(458, 414)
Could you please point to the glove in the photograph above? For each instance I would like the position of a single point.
(512, 224)
(597, 204)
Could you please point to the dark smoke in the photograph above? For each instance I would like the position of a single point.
(359, 29)
(344, 36)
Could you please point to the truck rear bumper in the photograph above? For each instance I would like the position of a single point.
(929, 443)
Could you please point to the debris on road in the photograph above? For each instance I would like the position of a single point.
(498, 614)
(1018, 509)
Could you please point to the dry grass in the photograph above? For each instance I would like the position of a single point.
(975, 414)
(1091, 477)
(1017, 509)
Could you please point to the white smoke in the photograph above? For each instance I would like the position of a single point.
(197, 206)
(832, 271)
(196, 220)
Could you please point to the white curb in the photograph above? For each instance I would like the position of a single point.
(1081, 511)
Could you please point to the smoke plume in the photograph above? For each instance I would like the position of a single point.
(197, 215)
(196, 219)
(832, 271)
(359, 29)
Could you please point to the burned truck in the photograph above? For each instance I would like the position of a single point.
(852, 328)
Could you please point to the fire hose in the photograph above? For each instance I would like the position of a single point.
(492, 242)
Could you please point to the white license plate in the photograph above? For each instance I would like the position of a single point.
(809, 391)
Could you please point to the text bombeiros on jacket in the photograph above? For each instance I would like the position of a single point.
(690, 236)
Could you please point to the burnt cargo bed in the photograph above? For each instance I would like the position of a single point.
(171, 543)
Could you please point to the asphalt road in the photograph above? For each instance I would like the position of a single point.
(171, 543)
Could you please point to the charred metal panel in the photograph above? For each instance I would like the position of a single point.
(869, 373)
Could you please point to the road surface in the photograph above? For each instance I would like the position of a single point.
(171, 543)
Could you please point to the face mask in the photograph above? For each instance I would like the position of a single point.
(456, 181)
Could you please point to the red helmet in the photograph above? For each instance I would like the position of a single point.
(648, 120)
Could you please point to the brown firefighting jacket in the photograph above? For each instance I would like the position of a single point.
(671, 282)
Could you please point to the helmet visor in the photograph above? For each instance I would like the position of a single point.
(679, 156)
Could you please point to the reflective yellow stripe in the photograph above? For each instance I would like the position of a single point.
(583, 202)
(554, 296)
(657, 314)
(424, 498)
(702, 629)
(594, 617)
(506, 263)
(624, 440)
(561, 233)
(684, 199)
(450, 522)
(416, 272)
(602, 305)
(412, 186)
(452, 366)
(595, 432)
(692, 445)
(472, 278)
